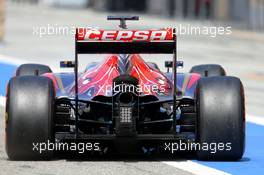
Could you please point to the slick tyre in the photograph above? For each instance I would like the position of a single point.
(29, 117)
(208, 70)
(32, 69)
(220, 118)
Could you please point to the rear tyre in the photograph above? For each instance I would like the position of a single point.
(32, 69)
(208, 70)
(220, 118)
(29, 110)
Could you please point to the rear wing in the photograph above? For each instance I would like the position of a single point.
(89, 41)
(125, 41)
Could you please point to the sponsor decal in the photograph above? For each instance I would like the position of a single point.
(124, 35)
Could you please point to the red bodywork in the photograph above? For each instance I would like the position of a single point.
(98, 80)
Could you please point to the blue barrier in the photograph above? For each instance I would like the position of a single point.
(6, 72)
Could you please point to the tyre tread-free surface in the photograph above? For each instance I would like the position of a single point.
(32, 69)
(29, 108)
(221, 117)
(208, 70)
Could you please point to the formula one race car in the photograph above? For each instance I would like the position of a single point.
(124, 104)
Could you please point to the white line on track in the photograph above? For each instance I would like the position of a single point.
(14, 61)
(2, 101)
(195, 168)
(10, 60)
(255, 119)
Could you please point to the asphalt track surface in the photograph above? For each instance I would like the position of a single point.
(241, 54)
